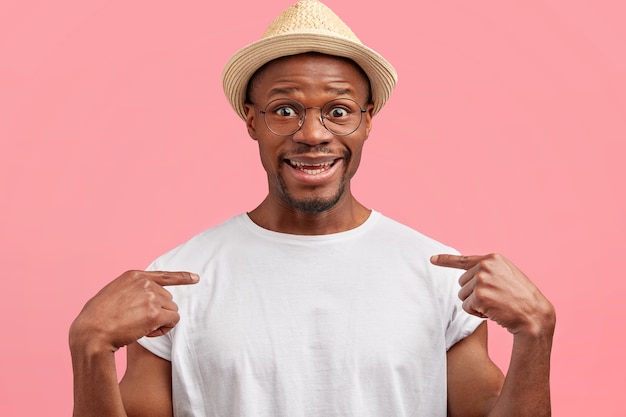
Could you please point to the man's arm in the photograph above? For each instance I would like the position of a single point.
(474, 381)
(526, 390)
(130, 307)
(494, 288)
(96, 392)
(147, 384)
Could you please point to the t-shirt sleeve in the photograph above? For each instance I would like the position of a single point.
(460, 324)
(161, 346)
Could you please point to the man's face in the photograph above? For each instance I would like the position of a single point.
(309, 170)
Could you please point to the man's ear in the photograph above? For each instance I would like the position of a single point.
(251, 120)
(368, 116)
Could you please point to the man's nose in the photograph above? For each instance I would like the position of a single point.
(312, 132)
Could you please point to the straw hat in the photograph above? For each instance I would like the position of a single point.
(307, 26)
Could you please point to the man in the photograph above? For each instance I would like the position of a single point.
(312, 304)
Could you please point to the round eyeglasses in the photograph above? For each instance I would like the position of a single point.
(285, 116)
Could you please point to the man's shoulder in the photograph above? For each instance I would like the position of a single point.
(203, 242)
(394, 230)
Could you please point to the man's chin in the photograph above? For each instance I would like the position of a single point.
(312, 205)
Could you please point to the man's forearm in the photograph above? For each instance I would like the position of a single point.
(526, 389)
(96, 389)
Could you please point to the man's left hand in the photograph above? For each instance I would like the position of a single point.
(493, 287)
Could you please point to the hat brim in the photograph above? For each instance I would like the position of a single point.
(248, 60)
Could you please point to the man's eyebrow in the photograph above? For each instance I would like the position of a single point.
(342, 91)
(282, 90)
(288, 90)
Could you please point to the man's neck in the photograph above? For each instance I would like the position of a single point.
(345, 215)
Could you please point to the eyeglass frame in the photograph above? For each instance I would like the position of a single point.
(302, 119)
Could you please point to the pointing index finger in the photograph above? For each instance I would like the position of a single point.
(455, 261)
(174, 278)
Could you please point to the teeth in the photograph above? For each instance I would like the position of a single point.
(302, 164)
(321, 166)
(313, 171)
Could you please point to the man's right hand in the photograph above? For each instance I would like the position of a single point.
(132, 306)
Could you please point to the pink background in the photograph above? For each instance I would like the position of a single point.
(506, 133)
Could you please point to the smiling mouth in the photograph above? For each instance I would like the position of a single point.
(312, 168)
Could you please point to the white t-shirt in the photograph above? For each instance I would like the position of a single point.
(355, 323)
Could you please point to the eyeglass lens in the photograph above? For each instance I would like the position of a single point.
(286, 116)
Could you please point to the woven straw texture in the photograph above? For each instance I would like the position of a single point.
(309, 15)
(307, 26)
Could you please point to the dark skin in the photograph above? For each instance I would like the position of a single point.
(491, 287)
(133, 305)
(314, 87)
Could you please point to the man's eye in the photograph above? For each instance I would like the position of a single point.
(286, 111)
(338, 112)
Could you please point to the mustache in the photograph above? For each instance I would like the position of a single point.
(303, 149)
